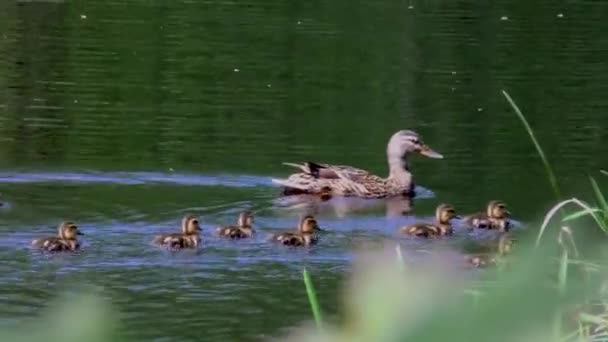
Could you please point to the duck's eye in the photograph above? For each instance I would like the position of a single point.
(194, 221)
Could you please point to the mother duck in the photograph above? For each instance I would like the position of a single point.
(347, 181)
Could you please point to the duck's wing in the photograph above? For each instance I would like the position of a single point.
(478, 220)
(421, 229)
(170, 240)
(225, 231)
(341, 180)
(327, 171)
(50, 244)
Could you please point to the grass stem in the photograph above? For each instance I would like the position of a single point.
(539, 150)
(312, 298)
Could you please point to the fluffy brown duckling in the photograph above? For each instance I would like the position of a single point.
(505, 245)
(243, 229)
(496, 217)
(443, 226)
(305, 235)
(188, 238)
(65, 241)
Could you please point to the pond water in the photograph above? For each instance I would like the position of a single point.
(125, 115)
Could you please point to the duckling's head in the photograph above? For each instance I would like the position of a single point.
(505, 244)
(404, 142)
(190, 225)
(445, 213)
(69, 231)
(497, 210)
(245, 219)
(308, 225)
(326, 193)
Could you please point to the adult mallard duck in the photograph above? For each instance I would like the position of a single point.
(188, 238)
(496, 217)
(305, 235)
(505, 244)
(243, 229)
(443, 226)
(66, 240)
(341, 180)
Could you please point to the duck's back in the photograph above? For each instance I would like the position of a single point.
(478, 220)
(55, 244)
(177, 240)
(234, 232)
(425, 230)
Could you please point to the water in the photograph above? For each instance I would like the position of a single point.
(125, 115)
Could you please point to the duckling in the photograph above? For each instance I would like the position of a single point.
(305, 236)
(243, 229)
(505, 245)
(65, 241)
(444, 214)
(188, 238)
(326, 193)
(496, 217)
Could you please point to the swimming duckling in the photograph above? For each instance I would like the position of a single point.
(188, 238)
(65, 241)
(326, 193)
(305, 236)
(505, 245)
(243, 229)
(443, 214)
(496, 217)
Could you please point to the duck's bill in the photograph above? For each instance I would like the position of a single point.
(79, 233)
(428, 152)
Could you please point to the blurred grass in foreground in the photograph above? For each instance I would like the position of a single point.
(72, 317)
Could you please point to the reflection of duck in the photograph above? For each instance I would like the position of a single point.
(188, 238)
(305, 235)
(443, 215)
(243, 229)
(505, 244)
(65, 241)
(496, 217)
(350, 181)
(394, 206)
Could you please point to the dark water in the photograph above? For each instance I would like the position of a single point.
(125, 115)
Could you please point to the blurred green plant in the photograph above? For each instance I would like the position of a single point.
(72, 318)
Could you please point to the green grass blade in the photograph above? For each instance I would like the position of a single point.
(312, 298)
(556, 208)
(539, 150)
(600, 198)
(604, 172)
(580, 214)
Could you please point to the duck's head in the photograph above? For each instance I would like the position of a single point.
(405, 142)
(69, 231)
(245, 219)
(497, 210)
(505, 244)
(308, 225)
(445, 213)
(190, 225)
